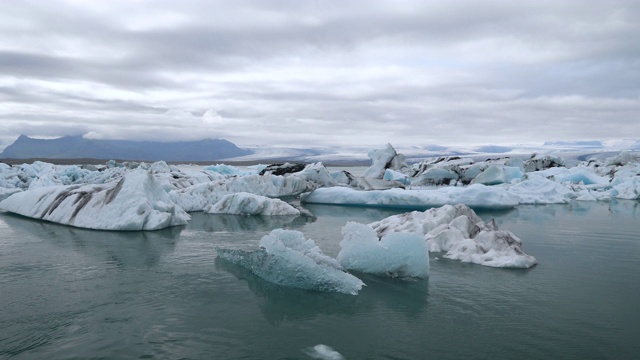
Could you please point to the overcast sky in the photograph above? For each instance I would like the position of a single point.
(321, 72)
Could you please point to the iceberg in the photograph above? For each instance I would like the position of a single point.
(540, 190)
(249, 204)
(201, 196)
(286, 258)
(541, 162)
(136, 202)
(498, 174)
(628, 189)
(458, 231)
(623, 158)
(463, 171)
(477, 195)
(399, 254)
(382, 159)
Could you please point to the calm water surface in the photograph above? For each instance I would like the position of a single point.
(70, 293)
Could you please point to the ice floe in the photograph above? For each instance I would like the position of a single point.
(135, 202)
(286, 258)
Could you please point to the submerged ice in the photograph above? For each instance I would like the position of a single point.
(286, 258)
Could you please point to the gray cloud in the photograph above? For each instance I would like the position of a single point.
(324, 73)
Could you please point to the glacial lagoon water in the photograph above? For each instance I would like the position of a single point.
(67, 293)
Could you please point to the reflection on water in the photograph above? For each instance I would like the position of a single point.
(281, 303)
(240, 223)
(408, 297)
(351, 212)
(118, 248)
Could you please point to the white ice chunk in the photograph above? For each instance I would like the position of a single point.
(136, 202)
(323, 352)
(491, 248)
(399, 254)
(249, 204)
(287, 258)
(459, 232)
(476, 195)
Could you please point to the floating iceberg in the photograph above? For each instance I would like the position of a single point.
(541, 162)
(287, 258)
(477, 195)
(457, 171)
(399, 254)
(459, 232)
(628, 189)
(136, 202)
(498, 174)
(249, 204)
(382, 159)
(199, 197)
(540, 190)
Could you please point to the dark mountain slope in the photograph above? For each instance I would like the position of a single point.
(71, 147)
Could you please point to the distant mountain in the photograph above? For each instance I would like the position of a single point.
(582, 144)
(75, 147)
(493, 149)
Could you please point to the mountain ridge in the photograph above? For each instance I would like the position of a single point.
(70, 147)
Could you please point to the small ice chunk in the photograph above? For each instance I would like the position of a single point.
(323, 352)
(400, 254)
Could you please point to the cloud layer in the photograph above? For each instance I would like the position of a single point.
(321, 72)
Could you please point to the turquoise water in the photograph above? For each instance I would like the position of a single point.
(76, 294)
